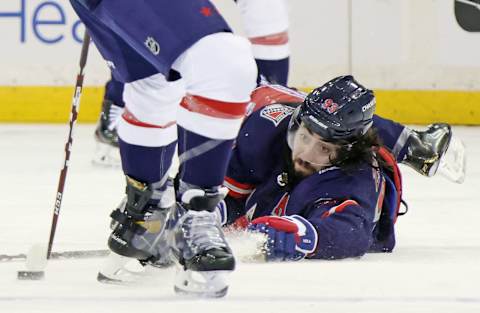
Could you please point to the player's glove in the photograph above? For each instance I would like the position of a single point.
(289, 238)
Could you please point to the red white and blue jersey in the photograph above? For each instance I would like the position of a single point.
(344, 207)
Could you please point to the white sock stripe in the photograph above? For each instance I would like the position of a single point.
(157, 195)
(401, 141)
(199, 150)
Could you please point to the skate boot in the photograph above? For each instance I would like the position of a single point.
(140, 232)
(426, 148)
(199, 245)
(106, 135)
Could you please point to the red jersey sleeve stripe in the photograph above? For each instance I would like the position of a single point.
(236, 189)
(269, 94)
(339, 208)
(236, 195)
(214, 108)
(235, 183)
(131, 119)
(271, 40)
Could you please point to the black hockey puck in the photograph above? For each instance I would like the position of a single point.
(30, 275)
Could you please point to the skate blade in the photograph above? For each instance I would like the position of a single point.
(217, 294)
(209, 284)
(106, 156)
(120, 270)
(101, 278)
(454, 162)
(150, 276)
(127, 278)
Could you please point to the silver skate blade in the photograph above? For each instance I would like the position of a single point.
(218, 294)
(106, 156)
(118, 269)
(149, 276)
(112, 281)
(208, 284)
(453, 164)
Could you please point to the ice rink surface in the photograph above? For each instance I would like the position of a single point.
(434, 268)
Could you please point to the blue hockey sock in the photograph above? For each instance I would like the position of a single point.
(275, 71)
(203, 161)
(146, 164)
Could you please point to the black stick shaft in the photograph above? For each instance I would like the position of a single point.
(68, 145)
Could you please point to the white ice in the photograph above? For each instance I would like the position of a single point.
(434, 268)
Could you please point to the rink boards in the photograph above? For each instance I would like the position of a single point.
(419, 58)
(52, 105)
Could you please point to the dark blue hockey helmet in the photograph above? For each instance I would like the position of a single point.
(341, 109)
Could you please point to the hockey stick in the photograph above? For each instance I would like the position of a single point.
(62, 255)
(68, 145)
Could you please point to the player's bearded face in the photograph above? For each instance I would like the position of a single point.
(310, 153)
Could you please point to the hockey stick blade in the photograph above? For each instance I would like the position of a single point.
(62, 255)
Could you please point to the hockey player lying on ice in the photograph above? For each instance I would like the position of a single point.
(314, 175)
(317, 177)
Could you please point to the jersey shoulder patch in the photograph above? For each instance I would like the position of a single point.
(276, 113)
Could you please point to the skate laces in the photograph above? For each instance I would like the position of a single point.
(202, 232)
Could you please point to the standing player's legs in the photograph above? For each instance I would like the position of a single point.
(192, 37)
(266, 26)
(147, 130)
(209, 117)
(106, 153)
(147, 140)
(112, 109)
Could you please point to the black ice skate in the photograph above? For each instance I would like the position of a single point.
(140, 232)
(106, 131)
(199, 245)
(106, 135)
(426, 148)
